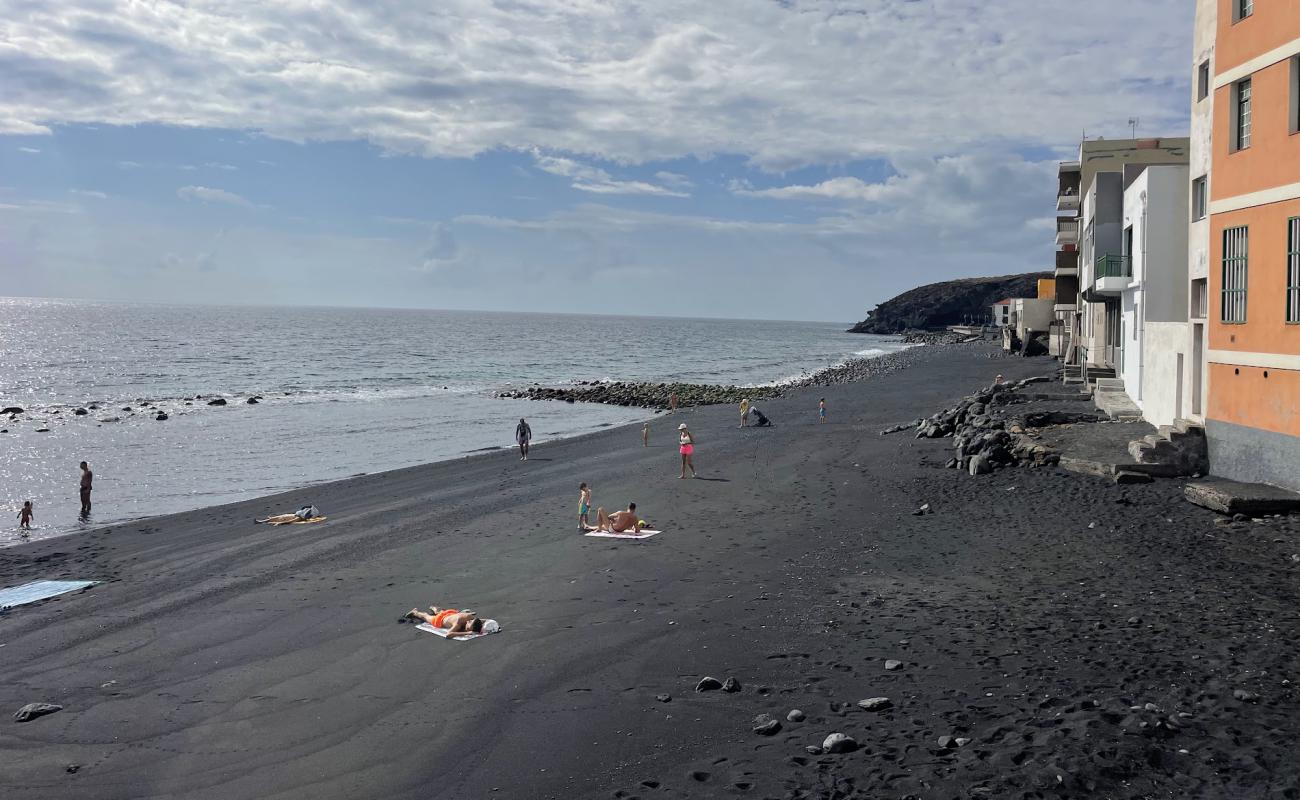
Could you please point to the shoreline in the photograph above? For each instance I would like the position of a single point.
(222, 659)
(850, 369)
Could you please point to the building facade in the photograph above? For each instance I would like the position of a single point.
(1089, 208)
(1251, 414)
(1153, 298)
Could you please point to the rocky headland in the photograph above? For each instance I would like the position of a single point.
(938, 305)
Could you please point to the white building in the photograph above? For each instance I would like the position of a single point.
(1002, 313)
(1031, 315)
(1151, 278)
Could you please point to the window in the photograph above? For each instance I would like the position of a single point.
(1241, 115)
(1203, 81)
(1235, 248)
(1242, 9)
(1198, 199)
(1293, 270)
(1200, 299)
(1294, 116)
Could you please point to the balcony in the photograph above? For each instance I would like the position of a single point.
(1067, 263)
(1067, 294)
(1068, 201)
(1112, 274)
(1067, 231)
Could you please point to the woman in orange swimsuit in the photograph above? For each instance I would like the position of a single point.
(457, 623)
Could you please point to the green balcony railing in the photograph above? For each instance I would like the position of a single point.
(1113, 267)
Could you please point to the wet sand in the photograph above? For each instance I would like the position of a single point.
(1035, 612)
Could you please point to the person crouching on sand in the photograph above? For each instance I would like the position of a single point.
(686, 446)
(25, 516)
(618, 522)
(584, 507)
(457, 623)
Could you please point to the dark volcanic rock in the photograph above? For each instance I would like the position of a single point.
(12, 410)
(33, 710)
(875, 703)
(766, 725)
(938, 305)
(731, 685)
(708, 684)
(220, 401)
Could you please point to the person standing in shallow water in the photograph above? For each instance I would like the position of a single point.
(523, 435)
(686, 446)
(87, 485)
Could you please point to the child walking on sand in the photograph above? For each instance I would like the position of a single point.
(25, 516)
(821, 410)
(584, 507)
(645, 435)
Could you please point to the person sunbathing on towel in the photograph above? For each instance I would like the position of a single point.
(619, 522)
(457, 623)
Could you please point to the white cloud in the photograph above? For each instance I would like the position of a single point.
(587, 178)
(32, 150)
(92, 193)
(844, 188)
(782, 83)
(209, 195)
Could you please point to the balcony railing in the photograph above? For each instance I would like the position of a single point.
(1067, 231)
(1113, 267)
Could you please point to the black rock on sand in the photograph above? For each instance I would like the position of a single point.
(224, 660)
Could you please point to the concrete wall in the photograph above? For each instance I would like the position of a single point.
(1198, 231)
(1166, 362)
(1253, 455)
(1103, 212)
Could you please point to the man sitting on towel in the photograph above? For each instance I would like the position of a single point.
(457, 623)
(618, 522)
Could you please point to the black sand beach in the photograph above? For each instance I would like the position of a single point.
(1086, 638)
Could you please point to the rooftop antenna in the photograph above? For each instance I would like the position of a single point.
(1133, 126)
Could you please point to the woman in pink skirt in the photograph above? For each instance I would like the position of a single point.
(686, 447)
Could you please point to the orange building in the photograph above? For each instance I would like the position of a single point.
(1251, 294)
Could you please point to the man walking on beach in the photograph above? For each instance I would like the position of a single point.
(523, 435)
(87, 483)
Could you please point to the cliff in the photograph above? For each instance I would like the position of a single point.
(938, 305)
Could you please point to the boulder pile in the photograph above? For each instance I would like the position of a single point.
(988, 435)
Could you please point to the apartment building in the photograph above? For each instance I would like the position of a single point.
(1198, 231)
(1252, 401)
(1090, 200)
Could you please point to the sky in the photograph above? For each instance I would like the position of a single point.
(780, 159)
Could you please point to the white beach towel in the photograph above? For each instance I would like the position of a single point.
(427, 628)
(645, 533)
(38, 590)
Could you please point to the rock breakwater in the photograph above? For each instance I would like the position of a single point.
(656, 395)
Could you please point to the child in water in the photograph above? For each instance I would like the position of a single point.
(821, 410)
(25, 516)
(584, 507)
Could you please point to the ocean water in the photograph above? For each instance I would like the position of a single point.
(344, 392)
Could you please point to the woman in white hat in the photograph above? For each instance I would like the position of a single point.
(686, 446)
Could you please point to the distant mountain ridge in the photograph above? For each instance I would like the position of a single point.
(938, 305)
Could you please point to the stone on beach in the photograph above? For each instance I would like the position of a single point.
(33, 710)
(220, 401)
(766, 725)
(731, 685)
(876, 703)
(795, 715)
(892, 664)
(708, 684)
(839, 743)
